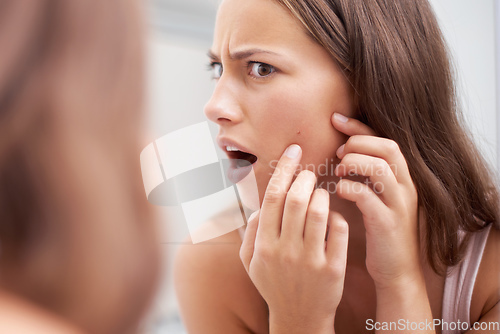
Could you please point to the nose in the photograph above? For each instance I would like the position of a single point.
(224, 107)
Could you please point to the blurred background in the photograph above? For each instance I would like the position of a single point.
(180, 34)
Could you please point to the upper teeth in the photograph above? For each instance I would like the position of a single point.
(231, 148)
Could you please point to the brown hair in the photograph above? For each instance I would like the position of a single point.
(395, 57)
(76, 232)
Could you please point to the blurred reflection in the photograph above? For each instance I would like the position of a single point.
(79, 250)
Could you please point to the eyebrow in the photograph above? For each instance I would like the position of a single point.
(241, 54)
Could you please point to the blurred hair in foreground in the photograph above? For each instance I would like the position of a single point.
(77, 235)
(399, 67)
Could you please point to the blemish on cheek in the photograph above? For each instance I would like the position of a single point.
(298, 132)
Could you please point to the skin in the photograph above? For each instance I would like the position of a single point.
(292, 281)
(292, 105)
(21, 317)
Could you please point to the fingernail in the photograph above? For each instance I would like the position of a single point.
(340, 150)
(341, 118)
(292, 151)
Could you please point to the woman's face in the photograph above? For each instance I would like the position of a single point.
(275, 86)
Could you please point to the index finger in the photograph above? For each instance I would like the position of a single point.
(271, 212)
(351, 126)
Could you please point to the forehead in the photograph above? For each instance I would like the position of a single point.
(256, 22)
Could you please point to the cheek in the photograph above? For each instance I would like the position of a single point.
(288, 114)
(284, 117)
(319, 145)
(301, 117)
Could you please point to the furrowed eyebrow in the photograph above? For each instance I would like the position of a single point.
(240, 54)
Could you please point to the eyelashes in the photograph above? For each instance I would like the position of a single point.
(256, 69)
(216, 69)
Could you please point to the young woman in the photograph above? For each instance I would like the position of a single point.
(78, 245)
(357, 97)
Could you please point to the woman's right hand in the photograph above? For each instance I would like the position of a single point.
(297, 272)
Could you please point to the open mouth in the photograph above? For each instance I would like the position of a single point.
(241, 159)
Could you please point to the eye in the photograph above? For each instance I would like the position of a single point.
(216, 69)
(261, 70)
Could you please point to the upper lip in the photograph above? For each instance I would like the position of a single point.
(223, 142)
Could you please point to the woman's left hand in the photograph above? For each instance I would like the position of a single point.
(389, 204)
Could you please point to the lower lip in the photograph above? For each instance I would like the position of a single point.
(235, 174)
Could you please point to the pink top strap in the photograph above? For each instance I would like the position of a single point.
(459, 284)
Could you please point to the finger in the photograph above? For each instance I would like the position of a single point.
(248, 244)
(383, 148)
(366, 200)
(351, 126)
(383, 181)
(274, 198)
(296, 204)
(317, 222)
(336, 244)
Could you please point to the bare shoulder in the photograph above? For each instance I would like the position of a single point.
(22, 317)
(486, 293)
(214, 291)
